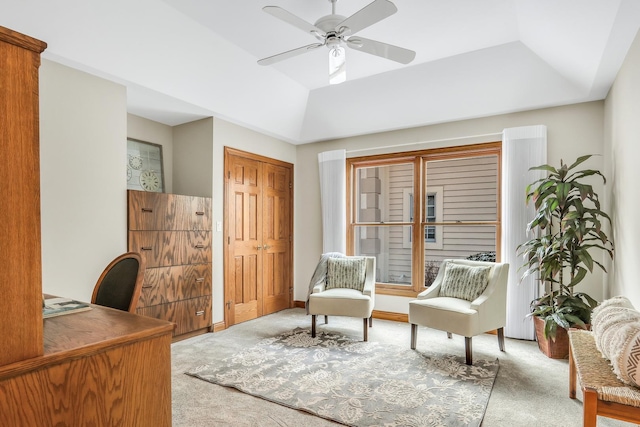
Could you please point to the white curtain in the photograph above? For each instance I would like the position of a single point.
(522, 148)
(333, 193)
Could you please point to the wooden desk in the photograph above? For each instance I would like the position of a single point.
(101, 367)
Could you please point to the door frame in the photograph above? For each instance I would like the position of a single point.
(228, 297)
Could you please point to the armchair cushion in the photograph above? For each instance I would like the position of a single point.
(464, 281)
(346, 273)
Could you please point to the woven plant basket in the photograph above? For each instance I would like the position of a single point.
(558, 349)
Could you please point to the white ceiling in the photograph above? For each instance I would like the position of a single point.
(183, 60)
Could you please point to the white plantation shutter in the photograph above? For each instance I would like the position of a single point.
(333, 193)
(522, 148)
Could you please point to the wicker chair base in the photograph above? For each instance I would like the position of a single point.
(602, 392)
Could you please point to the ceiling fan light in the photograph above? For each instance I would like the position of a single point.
(337, 65)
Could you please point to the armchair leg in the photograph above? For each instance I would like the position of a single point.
(326, 319)
(467, 349)
(449, 335)
(366, 329)
(313, 326)
(501, 338)
(371, 321)
(414, 335)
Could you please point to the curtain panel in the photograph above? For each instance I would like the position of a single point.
(522, 148)
(333, 195)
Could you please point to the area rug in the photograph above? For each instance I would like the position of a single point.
(358, 383)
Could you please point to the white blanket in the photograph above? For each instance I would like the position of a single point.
(320, 274)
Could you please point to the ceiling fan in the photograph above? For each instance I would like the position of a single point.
(336, 32)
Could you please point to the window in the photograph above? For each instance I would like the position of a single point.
(430, 231)
(434, 214)
(412, 210)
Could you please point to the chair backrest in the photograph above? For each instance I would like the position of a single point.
(497, 276)
(120, 284)
(369, 264)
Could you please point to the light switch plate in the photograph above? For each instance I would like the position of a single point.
(218, 225)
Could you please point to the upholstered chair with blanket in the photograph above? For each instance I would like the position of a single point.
(342, 286)
(466, 298)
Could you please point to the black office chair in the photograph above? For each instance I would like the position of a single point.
(120, 284)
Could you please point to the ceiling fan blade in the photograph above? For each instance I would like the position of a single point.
(292, 19)
(289, 54)
(384, 50)
(368, 15)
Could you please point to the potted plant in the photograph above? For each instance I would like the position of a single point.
(567, 226)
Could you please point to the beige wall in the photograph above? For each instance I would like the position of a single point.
(193, 158)
(572, 131)
(84, 126)
(83, 131)
(156, 133)
(622, 118)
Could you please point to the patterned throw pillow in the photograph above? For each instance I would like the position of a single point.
(346, 273)
(603, 311)
(606, 322)
(615, 325)
(626, 357)
(464, 281)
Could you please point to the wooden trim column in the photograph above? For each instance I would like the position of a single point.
(20, 253)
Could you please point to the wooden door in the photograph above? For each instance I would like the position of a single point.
(258, 224)
(276, 238)
(244, 206)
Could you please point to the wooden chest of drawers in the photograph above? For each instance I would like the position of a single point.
(173, 234)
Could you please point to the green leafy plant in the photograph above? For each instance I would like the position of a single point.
(568, 223)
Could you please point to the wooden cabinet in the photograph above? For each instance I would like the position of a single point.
(173, 234)
(102, 367)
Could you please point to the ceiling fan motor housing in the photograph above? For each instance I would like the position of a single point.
(329, 23)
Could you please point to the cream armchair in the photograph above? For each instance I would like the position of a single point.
(443, 306)
(353, 299)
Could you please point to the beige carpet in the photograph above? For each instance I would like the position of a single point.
(530, 389)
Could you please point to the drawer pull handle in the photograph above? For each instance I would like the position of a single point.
(147, 286)
(199, 246)
(146, 248)
(200, 279)
(147, 210)
(199, 313)
(199, 212)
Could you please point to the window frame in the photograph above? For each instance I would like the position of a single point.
(407, 203)
(418, 225)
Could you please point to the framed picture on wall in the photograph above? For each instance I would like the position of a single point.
(144, 166)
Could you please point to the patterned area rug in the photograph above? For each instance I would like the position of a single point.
(358, 383)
